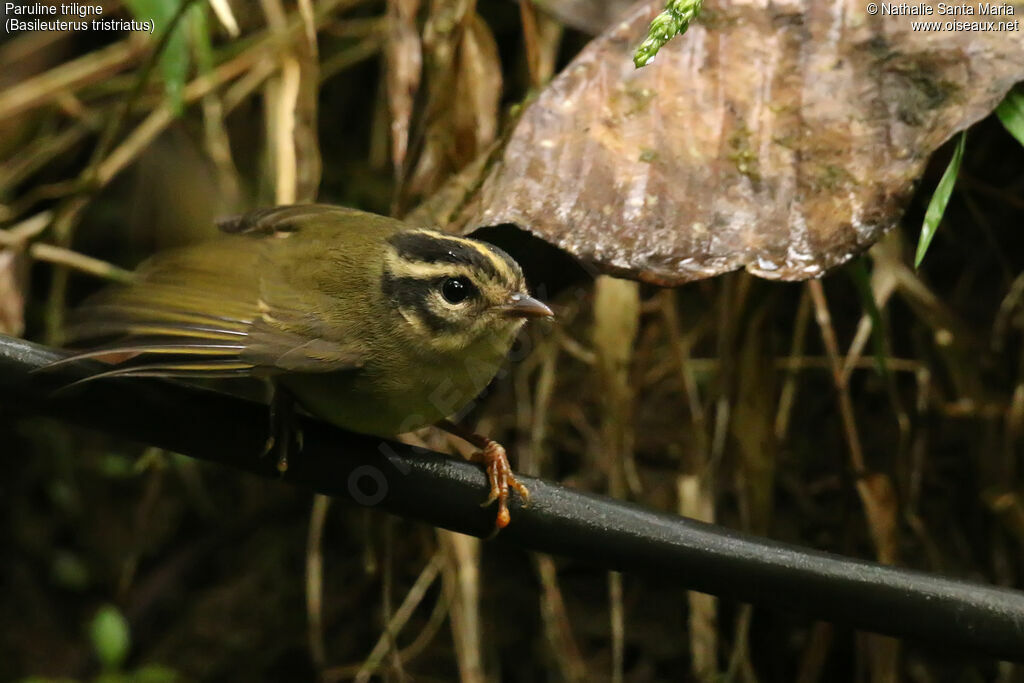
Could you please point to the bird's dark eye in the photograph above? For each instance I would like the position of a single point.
(456, 289)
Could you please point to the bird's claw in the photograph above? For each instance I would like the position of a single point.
(501, 479)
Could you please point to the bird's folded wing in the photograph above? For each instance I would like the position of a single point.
(218, 309)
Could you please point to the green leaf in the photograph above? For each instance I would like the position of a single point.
(937, 206)
(110, 637)
(174, 61)
(199, 29)
(1011, 112)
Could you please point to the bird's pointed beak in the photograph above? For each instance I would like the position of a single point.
(525, 306)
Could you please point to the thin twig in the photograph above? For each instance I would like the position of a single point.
(426, 635)
(828, 336)
(462, 576)
(41, 152)
(222, 10)
(681, 350)
(557, 626)
(315, 579)
(617, 617)
(696, 500)
(366, 48)
(80, 262)
(870, 489)
(17, 235)
(787, 397)
(401, 616)
(87, 69)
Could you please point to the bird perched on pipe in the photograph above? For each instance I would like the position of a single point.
(369, 323)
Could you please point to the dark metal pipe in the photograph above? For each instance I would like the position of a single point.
(606, 533)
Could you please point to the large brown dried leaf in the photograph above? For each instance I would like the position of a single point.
(463, 76)
(405, 61)
(782, 138)
(478, 89)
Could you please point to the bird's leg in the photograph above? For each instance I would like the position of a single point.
(282, 431)
(499, 472)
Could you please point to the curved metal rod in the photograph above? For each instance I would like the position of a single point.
(603, 532)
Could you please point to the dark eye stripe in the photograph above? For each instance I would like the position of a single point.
(413, 294)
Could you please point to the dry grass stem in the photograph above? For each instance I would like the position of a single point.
(69, 76)
(222, 10)
(80, 262)
(462, 576)
(828, 336)
(557, 625)
(787, 396)
(315, 579)
(697, 502)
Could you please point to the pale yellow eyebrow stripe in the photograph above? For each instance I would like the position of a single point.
(479, 246)
(397, 266)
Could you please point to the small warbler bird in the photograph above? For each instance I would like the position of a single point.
(371, 324)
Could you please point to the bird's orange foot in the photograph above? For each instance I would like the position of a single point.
(502, 480)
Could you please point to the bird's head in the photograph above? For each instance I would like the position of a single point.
(455, 293)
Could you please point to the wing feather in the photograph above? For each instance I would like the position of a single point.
(227, 307)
